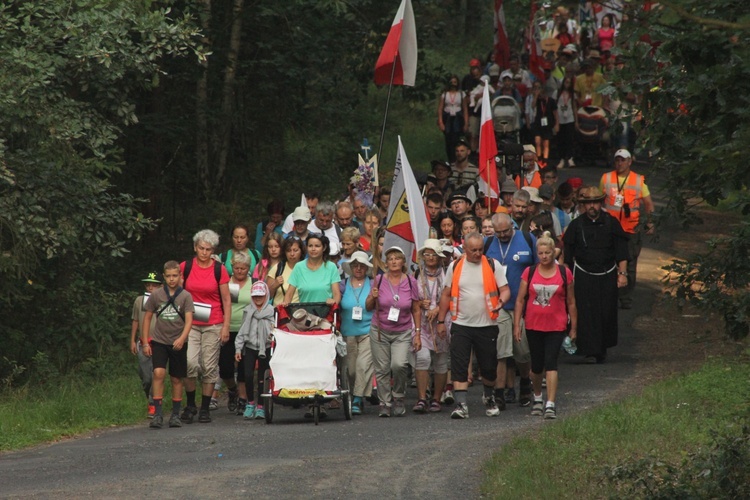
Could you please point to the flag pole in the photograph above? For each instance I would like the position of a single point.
(385, 118)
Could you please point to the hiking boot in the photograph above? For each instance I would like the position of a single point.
(460, 411)
(550, 413)
(174, 420)
(510, 396)
(447, 398)
(260, 413)
(151, 410)
(204, 416)
(157, 422)
(384, 411)
(537, 408)
(249, 413)
(232, 400)
(491, 409)
(188, 414)
(399, 410)
(214, 404)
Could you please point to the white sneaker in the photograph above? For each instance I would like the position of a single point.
(561, 164)
(491, 407)
(461, 411)
(571, 163)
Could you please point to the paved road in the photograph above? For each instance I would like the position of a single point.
(414, 456)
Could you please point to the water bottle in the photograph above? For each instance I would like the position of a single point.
(569, 346)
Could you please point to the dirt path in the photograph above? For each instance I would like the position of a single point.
(408, 457)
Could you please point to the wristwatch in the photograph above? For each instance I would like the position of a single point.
(441, 322)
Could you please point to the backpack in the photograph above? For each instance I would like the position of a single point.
(217, 275)
(526, 236)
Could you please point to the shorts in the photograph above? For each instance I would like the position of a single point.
(483, 339)
(163, 354)
(521, 352)
(424, 358)
(544, 132)
(505, 334)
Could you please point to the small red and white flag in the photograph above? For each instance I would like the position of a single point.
(488, 182)
(399, 55)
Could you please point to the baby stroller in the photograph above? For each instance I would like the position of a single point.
(306, 367)
(592, 126)
(506, 118)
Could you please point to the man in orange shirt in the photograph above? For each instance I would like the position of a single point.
(628, 200)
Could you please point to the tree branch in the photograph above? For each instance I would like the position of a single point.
(716, 23)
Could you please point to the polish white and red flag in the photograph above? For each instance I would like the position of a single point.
(398, 59)
(502, 47)
(488, 182)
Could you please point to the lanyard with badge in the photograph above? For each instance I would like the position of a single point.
(357, 310)
(503, 255)
(543, 121)
(619, 198)
(394, 311)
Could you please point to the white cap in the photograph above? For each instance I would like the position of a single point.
(623, 153)
(533, 194)
(301, 213)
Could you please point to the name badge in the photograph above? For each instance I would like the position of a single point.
(544, 121)
(618, 201)
(357, 313)
(393, 314)
(588, 97)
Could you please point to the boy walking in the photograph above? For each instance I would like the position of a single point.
(173, 310)
(145, 368)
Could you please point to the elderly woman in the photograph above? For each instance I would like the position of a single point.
(395, 328)
(435, 349)
(240, 280)
(551, 300)
(208, 283)
(355, 327)
(292, 251)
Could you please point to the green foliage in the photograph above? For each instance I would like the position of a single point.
(689, 62)
(70, 73)
(722, 471)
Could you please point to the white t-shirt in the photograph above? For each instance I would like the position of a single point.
(331, 232)
(472, 308)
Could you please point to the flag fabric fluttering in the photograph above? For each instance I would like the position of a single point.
(536, 57)
(406, 225)
(502, 47)
(488, 182)
(399, 55)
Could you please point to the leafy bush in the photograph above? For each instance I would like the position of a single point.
(722, 471)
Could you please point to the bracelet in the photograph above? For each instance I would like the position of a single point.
(622, 273)
(441, 322)
(417, 329)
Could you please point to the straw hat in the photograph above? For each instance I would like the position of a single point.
(590, 193)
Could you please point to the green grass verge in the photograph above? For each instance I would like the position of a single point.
(66, 408)
(572, 458)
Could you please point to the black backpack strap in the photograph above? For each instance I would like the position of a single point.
(170, 301)
(280, 268)
(532, 270)
(487, 244)
(186, 271)
(217, 271)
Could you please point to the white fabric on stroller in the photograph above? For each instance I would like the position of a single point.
(304, 361)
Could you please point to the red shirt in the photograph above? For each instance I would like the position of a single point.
(545, 309)
(201, 284)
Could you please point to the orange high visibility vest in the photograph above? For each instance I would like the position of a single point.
(536, 180)
(632, 193)
(491, 295)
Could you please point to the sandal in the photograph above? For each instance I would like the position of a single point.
(420, 407)
(435, 406)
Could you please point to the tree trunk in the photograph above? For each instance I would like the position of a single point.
(228, 102)
(201, 107)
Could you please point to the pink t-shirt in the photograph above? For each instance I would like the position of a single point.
(545, 309)
(386, 293)
(606, 38)
(201, 284)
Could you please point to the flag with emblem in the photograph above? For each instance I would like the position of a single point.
(406, 225)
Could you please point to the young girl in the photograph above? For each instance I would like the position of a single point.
(252, 345)
(271, 256)
(567, 111)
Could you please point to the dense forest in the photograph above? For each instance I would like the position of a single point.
(127, 126)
